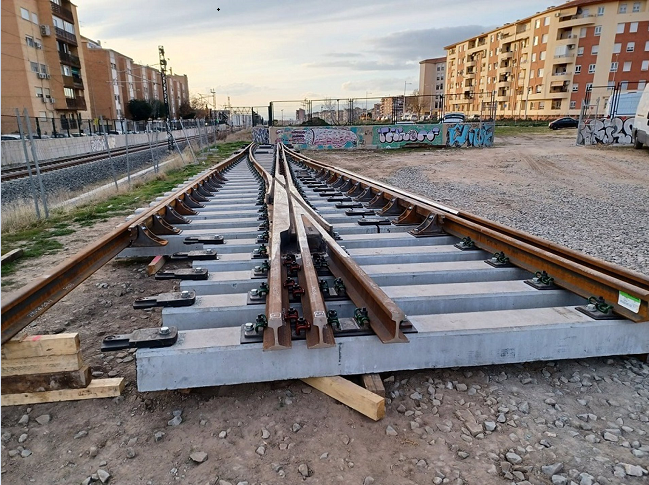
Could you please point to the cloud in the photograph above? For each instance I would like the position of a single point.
(370, 65)
(342, 54)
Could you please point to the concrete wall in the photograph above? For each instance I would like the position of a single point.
(606, 131)
(385, 136)
(53, 148)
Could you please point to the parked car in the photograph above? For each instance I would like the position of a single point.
(640, 135)
(454, 118)
(563, 123)
(11, 136)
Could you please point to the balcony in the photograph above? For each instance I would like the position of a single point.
(502, 98)
(503, 83)
(561, 76)
(62, 12)
(66, 36)
(577, 20)
(564, 58)
(561, 94)
(507, 54)
(470, 75)
(470, 63)
(76, 103)
(70, 59)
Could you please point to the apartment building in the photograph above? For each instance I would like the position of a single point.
(178, 91)
(148, 84)
(542, 66)
(432, 76)
(42, 63)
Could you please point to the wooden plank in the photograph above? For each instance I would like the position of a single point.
(155, 265)
(41, 345)
(350, 394)
(77, 379)
(11, 256)
(41, 365)
(373, 383)
(98, 388)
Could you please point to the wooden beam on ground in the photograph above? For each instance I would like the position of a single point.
(47, 382)
(41, 365)
(373, 383)
(155, 265)
(350, 394)
(98, 388)
(41, 346)
(11, 256)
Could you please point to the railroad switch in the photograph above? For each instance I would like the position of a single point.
(262, 270)
(374, 221)
(320, 264)
(361, 317)
(183, 274)
(598, 309)
(324, 288)
(302, 324)
(542, 281)
(260, 253)
(204, 240)
(499, 260)
(258, 295)
(292, 266)
(295, 291)
(263, 238)
(200, 254)
(175, 299)
(144, 338)
(466, 244)
(290, 316)
(332, 319)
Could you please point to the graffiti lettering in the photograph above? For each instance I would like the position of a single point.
(606, 131)
(470, 135)
(391, 134)
(260, 135)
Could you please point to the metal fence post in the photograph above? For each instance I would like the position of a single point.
(128, 161)
(188, 142)
(182, 159)
(29, 168)
(38, 170)
(149, 134)
(110, 157)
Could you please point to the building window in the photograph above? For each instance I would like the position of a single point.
(65, 70)
(589, 86)
(575, 88)
(622, 8)
(613, 66)
(532, 105)
(544, 39)
(624, 85)
(582, 32)
(577, 69)
(594, 50)
(57, 22)
(33, 66)
(646, 46)
(642, 84)
(591, 68)
(69, 93)
(46, 92)
(537, 24)
(617, 48)
(39, 92)
(546, 21)
(541, 104)
(645, 66)
(29, 40)
(533, 56)
(24, 13)
(630, 47)
(536, 40)
(620, 28)
(540, 73)
(573, 104)
(600, 11)
(539, 88)
(633, 27)
(636, 6)
(580, 51)
(627, 66)
(43, 68)
(542, 56)
(598, 30)
(35, 18)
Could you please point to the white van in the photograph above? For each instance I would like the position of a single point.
(640, 135)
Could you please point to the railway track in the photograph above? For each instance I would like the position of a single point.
(303, 269)
(13, 173)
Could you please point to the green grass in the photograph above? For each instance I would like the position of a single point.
(39, 237)
(511, 130)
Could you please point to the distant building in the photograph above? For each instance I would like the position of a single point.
(42, 64)
(300, 115)
(432, 75)
(178, 90)
(542, 66)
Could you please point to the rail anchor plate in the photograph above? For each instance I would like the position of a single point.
(144, 338)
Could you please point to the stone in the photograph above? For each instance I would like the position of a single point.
(463, 455)
(610, 437)
(6, 436)
(25, 453)
(130, 453)
(103, 475)
(524, 407)
(13, 453)
(586, 479)
(158, 436)
(203, 422)
(296, 427)
(559, 480)
(175, 421)
(489, 425)
(345, 439)
(87, 481)
(265, 434)
(261, 450)
(303, 469)
(401, 409)
(43, 419)
(177, 412)
(22, 438)
(198, 456)
(513, 458)
(368, 481)
(81, 434)
(416, 396)
(324, 456)
(461, 387)
(223, 434)
(633, 470)
(92, 452)
(390, 431)
(24, 420)
(224, 482)
(553, 469)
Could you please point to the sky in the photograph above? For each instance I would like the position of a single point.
(258, 51)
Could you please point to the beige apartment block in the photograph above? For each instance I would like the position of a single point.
(541, 67)
(432, 76)
(42, 63)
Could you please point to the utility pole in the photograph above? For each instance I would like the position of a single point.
(165, 95)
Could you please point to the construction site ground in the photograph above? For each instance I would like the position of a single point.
(558, 422)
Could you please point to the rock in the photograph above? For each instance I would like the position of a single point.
(261, 450)
(296, 427)
(303, 469)
(25, 453)
(553, 469)
(324, 456)
(489, 425)
(22, 438)
(586, 479)
(368, 481)
(112, 373)
(224, 482)
(177, 412)
(43, 419)
(97, 374)
(513, 458)
(345, 439)
(633, 470)
(158, 436)
(416, 396)
(461, 387)
(559, 480)
(306, 390)
(13, 453)
(524, 407)
(265, 434)
(24, 420)
(463, 455)
(103, 475)
(390, 431)
(203, 422)
(401, 409)
(87, 481)
(92, 452)
(81, 434)
(198, 456)
(610, 437)
(242, 483)
(175, 421)
(6, 436)
(223, 434)
(130, 453)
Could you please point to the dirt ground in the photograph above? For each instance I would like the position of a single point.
(584, 421)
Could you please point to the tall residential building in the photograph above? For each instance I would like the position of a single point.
(178, 91)
(432, 75)
(42, 63)
(542, 66)
(147, 83)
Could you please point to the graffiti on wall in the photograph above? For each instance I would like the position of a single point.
(606, 131)
(396, 136)
(98, 143)
(319, 138)
(469, 134)
(260, 135)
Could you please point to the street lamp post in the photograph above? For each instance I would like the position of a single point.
(404, 97)
(366, 93)
(282, 117)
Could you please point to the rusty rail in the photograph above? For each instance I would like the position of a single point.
(23, 306)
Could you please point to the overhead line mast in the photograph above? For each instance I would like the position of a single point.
(165, 95)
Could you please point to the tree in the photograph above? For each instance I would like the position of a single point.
(158, 109)
(185, 111)
(139, 109)
(415, 103)
(199, 107)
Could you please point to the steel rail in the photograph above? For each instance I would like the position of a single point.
(580, 273)
(23, 306)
